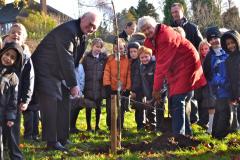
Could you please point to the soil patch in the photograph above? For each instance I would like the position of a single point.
(234, 142)
(166, 125)
(167, 141)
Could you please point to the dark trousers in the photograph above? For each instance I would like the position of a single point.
(221, 120)
(55, 115)
(234, 119)
(11, 142)
(238, 114)
(11, 137)
(108, 110)
(160, 111)
(203, 114)
(73, 117)
(31, 122)
(1, 143)
(97, 113)
(159, 115)
(194, 117)
(151, 118)
(139, 113)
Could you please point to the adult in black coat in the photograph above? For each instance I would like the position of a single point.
(129, 29)
(192, 32)
(55, 59)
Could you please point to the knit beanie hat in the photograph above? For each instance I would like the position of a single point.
(133, 45)
(138, 37)
(212, 32)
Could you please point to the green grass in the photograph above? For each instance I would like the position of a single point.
(85, 143)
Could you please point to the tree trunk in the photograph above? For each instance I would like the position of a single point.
(43, 4)
(30, 2)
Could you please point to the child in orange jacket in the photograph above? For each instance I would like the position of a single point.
(110, 79)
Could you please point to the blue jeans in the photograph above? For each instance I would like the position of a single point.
(179, 104)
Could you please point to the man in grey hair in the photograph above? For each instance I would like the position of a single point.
(179, 63)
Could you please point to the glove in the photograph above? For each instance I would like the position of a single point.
(156, 95)
(126, 93)
(133, 95)
(108, 90)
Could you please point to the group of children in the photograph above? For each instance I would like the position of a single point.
(220, 62)
(136, 75)
(98, 79)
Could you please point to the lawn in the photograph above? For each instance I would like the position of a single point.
(94, 146)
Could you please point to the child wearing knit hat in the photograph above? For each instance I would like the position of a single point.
(216, 73)
(133, 49)
(138, 37)
(212, 32)
(136, 89)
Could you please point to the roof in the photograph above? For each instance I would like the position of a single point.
(50, 10)
(53, 10)
(9, 12)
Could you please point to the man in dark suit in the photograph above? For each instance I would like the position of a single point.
(54, 60)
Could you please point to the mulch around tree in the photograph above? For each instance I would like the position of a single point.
(165, 142)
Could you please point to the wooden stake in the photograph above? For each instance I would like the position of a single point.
(114, 132)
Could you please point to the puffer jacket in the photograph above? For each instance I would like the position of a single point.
(147, 77)
(192, 32)
(136, 85)
(94, 68)
(177, 60)
(9, 84)
(26, 78)
(215, 72)
(233, 63)
(110, 73)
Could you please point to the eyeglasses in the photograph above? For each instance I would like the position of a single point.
(92, 25)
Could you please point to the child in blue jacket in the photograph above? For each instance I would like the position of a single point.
(215, 72)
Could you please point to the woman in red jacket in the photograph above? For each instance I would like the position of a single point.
(177, 60)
